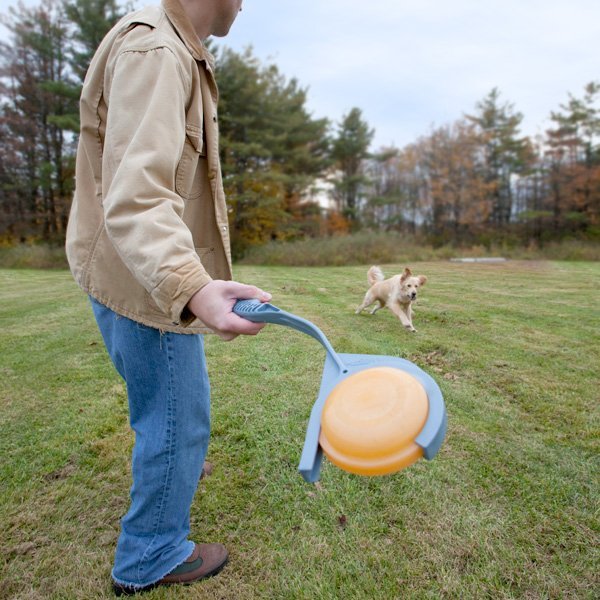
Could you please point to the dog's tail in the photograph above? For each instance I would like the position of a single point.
(374, 275)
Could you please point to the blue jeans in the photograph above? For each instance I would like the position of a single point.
(169, 411)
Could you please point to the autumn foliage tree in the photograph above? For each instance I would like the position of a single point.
(441, 182)
(573, 162)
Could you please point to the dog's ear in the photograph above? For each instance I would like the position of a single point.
(407, 273)
(422, 280)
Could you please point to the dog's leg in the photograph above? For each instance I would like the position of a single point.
(366, 302)
(397, 310)
(377, 306)
(410, 313)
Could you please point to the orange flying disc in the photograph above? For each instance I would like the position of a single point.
(371, 419)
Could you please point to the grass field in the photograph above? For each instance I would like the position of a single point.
(508, 509)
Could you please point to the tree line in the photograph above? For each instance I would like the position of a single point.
(477, 180)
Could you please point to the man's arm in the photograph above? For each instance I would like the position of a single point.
(145, 136)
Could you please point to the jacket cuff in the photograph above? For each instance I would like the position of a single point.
(176, 290)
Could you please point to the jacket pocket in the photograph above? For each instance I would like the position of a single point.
(208, 260)
(187, 169)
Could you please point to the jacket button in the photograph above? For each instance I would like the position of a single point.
(224, 227)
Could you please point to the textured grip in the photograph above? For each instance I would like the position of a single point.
(258, 312)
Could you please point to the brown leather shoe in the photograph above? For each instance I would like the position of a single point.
(205, 561)
(207, 469)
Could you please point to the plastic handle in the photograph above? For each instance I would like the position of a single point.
(263, 312)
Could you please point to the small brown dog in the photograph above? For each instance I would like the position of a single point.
(396, 293)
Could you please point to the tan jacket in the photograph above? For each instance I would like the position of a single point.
(148, 226)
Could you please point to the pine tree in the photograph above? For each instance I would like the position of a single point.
(271, 149)
(89, 21)
(42, 72)
(349, 151)
(506, 153)
(384, 207)
(36, 169)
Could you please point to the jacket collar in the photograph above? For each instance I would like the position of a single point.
(185, 29)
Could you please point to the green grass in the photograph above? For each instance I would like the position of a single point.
(508, 509)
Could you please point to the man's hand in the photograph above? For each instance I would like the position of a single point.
(213, 305)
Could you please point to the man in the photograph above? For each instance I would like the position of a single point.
(148, 241)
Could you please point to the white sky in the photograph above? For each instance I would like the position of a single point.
(410, 64)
